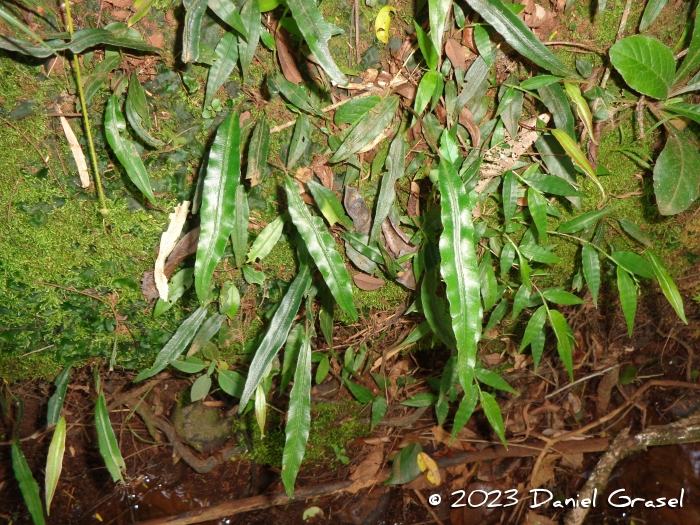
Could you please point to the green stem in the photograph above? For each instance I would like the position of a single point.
(86, 120)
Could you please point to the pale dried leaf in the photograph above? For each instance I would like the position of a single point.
(77, 152)
(167, 243)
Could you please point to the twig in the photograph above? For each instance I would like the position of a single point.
(620, 32)
(565, 387)
(357, 31)
(640, 117)
(573, 44)
(36, 351)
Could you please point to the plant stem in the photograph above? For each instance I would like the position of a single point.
(86, 120)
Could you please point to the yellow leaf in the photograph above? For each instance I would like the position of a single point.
(382, 23)
(425, 462)
(434, 477)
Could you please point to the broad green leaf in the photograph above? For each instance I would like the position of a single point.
(633, 263)
(583, 221)
(209, 329)
(109, 448)
(582, 109)
(426, 89)
(257, 152)
(517, 34)
(651, 13)
(100, 74)
(591, 270)
(466, 408)
(405, 466)
(300, 140)
(578, 157)
(509, 195)
(646, 64)
(483, 44)
(692, 59)
(628, 297)
(367, 128)
(537, 205)
(277, 332)
(298, 418)
(427, 48)
(321, 246)
(226, 58)
(27, 484)
(229, 300)
(396, 166)
(250, 15)
(324, 366)
(266, 240)
(555, 99)
(512, 111)
(316, 32)
(434, 307)
(493, 380)
(218, 202)
(506, 259)
(437, 12)
(553, 185)
(54, 461)
(231, 382)
(378, 411)
(192, 27)
(253, 276)
(561, 330)
(137, 112)
(200, 388)
(359, 392)
(537, 347)
(191, 365)
(124, 149)
(497, 315)
(355, 109)
(538, 254)
(692, 111)
(295, 95)
(522, 297)
(533, 327)
(493, 414)
(176, 345)
(487, 282)
(667, 285)
(59, 396)
(329, 204)
(459, 268)
(420, 400)
(538, 82)
(676, 175)
(561, 297)
(226, 10)
(239, 233)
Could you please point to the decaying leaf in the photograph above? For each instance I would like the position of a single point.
(357, 210)
(286, 57)
(77, 152)
(455, 52)
(167, 243)
(365, 475)
(426, 463)
(367, 282)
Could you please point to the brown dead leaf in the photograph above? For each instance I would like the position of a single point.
(492, 359)
(455, 52)
(407, 91)
(545, 472)
(365, 474)
(399, 369)
(367, 282)
(605, 388)
(409, 439)
(535, 15)
(323, 171)
(466, 119)
(423, 483)
(573, 461)
(443, 436)
(286, 57)
(77, 151)
(357, 210)
(468, 39)
(412, 208)
(536, 519)
(122, 4)
(168, 241)
(376, 440)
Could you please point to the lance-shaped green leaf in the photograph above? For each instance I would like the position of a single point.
(277, 332)
(192, 29)
(493, 380)
(57, 399)
(459, 268)
(250, 15)
(100, 74)
(297, 96)
(434, 307)
(537, 205)
(27, 484)
(355, 109)
(557, 296)
(367, 128)
(651, 13)
(537, 347)
(628, 297)
(633, 263)
(329, 204)
(109, 448)
(561, 331)
(257, 152)
(582, 108)
(124, 149)
(300, 140)
(497, 315)
(200, 388)
(555, 99)
(176, 345)
(396, 165)
(266, 240)
(7, 17)
(209, 329)
(218, 202)
(578, 157)
(379, 409)
(226, 10)
(487, 282)
(239, 233)
(466, 408)
(437, 11)
(538, 82)
(298, 418)
(517, 34)
(692, 59)
(54, 461)
(591, 270)
(509, 195)
(676, 175)
(667, 285)
(493, 413)
(137, 112)
(226, 58)
(321, 247)
(646, 64)
(316, 32)
(426, 89)
(583, 221)
(692, 111)
(533, 327)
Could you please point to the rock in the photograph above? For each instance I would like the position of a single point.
(201, 427)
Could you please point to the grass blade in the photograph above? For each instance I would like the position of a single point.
(667, 285)
(54, 461)
(329, 205)
(321, 247)
(109, 448)
(218, 202)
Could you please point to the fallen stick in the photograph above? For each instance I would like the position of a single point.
(240, 506)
